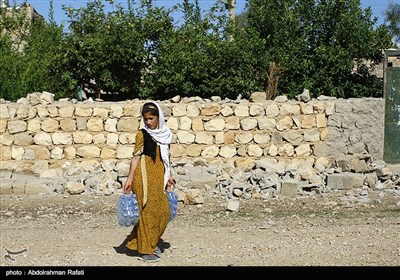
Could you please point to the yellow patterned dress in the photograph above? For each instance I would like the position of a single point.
(154, 215)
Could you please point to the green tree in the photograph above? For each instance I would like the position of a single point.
(28, 50)
(197, 58)
(320, 45)
(9, 70)
(138, 51)
(41, 72)
(113, 49)
(392, 19)
(11, 39)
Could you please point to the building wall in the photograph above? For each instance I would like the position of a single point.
(30, 16)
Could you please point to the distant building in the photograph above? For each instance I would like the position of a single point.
(4, 4)
(31, 13)
(31, 16)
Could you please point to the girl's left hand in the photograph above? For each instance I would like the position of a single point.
(170, 183)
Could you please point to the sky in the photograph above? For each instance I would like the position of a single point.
(42, 6)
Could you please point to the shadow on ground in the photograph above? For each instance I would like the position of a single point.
(122, 249)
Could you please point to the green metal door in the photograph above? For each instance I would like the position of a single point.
(391, 152)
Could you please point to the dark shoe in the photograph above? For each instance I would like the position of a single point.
(157, 251)
(149, 258)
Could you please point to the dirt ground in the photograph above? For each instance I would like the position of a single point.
(82, 230)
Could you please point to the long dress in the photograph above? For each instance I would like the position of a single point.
(154, 216)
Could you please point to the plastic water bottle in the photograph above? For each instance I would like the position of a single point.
(128, 210)
(173, 204)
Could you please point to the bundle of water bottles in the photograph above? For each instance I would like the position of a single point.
(127, 210)
(173, 204)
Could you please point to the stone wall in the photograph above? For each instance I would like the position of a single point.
(51, 140)
(355, 127)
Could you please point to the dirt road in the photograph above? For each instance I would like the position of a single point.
(82, 230)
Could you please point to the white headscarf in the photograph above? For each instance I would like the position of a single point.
(163, 137)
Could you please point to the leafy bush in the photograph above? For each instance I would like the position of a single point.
(139, 51)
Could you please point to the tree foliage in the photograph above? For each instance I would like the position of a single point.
(321, 45)
(27, 55)
(392, 18)
(112, 49)
(199, 59)
(140, 50)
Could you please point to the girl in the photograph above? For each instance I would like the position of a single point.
(149, 177)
